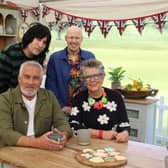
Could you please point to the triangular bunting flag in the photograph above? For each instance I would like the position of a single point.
(45, 11)
(24, 13)
(36, 12)
(159, 21)
(71, 20)
(88, 25)
(58, 17)
(104, 27)
(139, 24)
(121, 25)
(61, 26)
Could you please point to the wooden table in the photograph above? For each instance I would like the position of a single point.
(139, 155)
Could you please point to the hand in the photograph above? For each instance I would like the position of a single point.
(44, 142)
(64, 138)
(109, 134)
(122, 136)
(67, 110)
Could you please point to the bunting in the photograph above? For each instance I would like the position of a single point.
(45, 11)
(58, 17)
(159, 21)
(71, 20)
(24, 13)
(61, 26)
(121, 25)
(89, 24)
(104, 27)
(36, 12)
(139, 24)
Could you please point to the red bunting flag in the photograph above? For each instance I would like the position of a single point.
(88, 25)
(58, 17)
(159, 21)
(71, 20)
(139, 24)
(45, 10)
(121, 25)
(36, 12)
(61, 26)
(24, 13)
(104, 27)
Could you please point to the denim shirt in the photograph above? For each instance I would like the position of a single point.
(57, 75)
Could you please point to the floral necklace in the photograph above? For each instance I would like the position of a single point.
(98, 104)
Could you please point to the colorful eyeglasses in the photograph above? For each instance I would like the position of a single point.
(92, 77)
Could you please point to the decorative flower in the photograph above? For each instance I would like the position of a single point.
(74, 111)
(98, 105)
(86, 106)
(103, 119)
(91, 101)
(111, 106)
(104, 100)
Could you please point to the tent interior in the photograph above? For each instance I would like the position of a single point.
(98, 9)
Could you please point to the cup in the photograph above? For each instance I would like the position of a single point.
(83, 137)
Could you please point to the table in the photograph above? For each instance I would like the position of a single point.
(139, 155)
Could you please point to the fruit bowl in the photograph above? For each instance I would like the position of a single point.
(138, 94)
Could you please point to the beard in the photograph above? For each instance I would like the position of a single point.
(28, 93)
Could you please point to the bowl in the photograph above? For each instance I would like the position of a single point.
(138, 94)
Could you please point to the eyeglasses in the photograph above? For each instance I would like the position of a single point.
(90, 77)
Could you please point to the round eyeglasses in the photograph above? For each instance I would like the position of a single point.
(92, 77)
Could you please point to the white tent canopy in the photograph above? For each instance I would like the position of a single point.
(109, 9)
(25, 3)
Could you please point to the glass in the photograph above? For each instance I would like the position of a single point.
(90, 77)
(83, 136)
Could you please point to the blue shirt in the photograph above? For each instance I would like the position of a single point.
(57, 75)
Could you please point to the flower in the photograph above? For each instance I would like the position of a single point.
(111, 106)
(74, 111)
(91, 101)
(86, 106)
(98, 105)
(104, 100)
(103, 119)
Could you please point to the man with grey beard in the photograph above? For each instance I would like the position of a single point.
(29, 114)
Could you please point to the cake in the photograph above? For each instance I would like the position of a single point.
(106, 157)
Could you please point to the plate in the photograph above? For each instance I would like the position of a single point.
(101, 158)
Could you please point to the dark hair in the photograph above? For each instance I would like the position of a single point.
(36, 31)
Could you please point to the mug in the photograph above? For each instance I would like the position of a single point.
(83, 137)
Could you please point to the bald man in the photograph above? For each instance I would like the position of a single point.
(62, 76)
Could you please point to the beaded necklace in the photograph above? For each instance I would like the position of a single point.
(98, 104)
